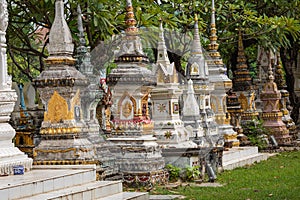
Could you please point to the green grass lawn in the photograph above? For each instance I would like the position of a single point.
(277, 178)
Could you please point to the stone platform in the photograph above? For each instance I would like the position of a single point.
(241, 156)
(63, 182)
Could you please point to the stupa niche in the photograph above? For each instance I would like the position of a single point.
(217, 75)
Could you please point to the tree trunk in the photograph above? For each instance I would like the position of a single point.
(289, 62)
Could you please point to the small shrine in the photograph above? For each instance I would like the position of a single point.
(197, 71)
(217, 76)
(10, 156)
(243, 87)
(271, 114)
(168, 127)
(138, 155)
(64, 138)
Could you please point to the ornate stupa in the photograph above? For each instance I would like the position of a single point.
(92, 94)
(264, 58)
(10, 155)
(139, 157)
(197, 71)
(217, 76)
(271, 114)
(191, 113)
(63, 130)
(90, 98)
(284, 101)
(168, 127)
(243, 87)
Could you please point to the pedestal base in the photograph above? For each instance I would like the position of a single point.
(10, 155)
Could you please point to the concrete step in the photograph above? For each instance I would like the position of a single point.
(88, 191)
(43, 179)
(238, 153)
(127, 196)
(243, 161)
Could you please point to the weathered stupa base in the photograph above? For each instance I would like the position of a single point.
(139, 160)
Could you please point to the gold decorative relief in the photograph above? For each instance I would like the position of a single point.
(244, 102)
(57, 109)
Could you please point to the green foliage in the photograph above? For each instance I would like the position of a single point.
(276, 178)
(185, 174)
(267, 23)
(174, 172)
(255, 131)
(191, 173)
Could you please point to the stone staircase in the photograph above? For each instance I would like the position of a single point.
(241, 156)
(63, 183)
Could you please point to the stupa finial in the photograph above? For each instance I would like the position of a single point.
(279, 73)
(130, 20)
(60, 38)
(80, 27)
(213, 46)
(161, 33)
(270, 72)
(162, 51)
(196, 45)
(241, 52)
(242, 80)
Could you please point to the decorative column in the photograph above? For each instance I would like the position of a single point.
(10, 155)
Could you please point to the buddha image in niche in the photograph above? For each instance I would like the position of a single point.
(126, 109)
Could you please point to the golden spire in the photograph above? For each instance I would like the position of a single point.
(213, 46)
(130, 20)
